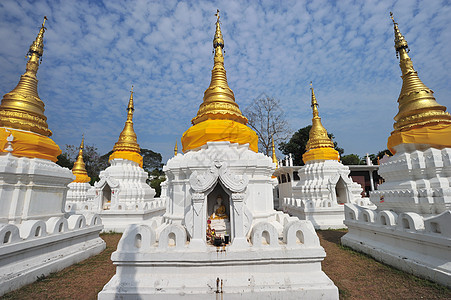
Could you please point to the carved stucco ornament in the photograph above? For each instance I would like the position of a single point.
(201, 182)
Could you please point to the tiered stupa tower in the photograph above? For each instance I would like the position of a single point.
(22, 111)
(219, 117)
(324, 184)
(78, 188)
(220, 184)
(122, 196)
(414, 202)
(35, 236)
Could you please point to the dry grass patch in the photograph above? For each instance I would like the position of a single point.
(356, 275)
(359, 276)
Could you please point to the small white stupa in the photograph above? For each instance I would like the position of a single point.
(220, 234)
(324, 184)
(122, 196)
(36, 238)
(411, 227)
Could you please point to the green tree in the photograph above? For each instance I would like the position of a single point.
(151, 160)
(157, 177)
(352, 159)
(296, 145)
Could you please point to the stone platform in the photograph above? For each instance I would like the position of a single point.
(265, 268)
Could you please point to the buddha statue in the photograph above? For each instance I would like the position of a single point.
(219, 220)
(219, 210)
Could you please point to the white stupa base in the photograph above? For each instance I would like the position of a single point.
(267, 267)
(322, 218)
(36, 248)
(323, 188)
(121, 197)
(417, 245)
(257, 274)
(117, 220)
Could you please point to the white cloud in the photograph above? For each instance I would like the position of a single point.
(94, 51)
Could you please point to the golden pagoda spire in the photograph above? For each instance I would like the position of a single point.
(127, 139)
(417, 105)
(219, 118)
(219, 100)
(319, 145)
(175, 149)
(274, 158)
(79, 169)
(22, 108)
(127, 146)
(318, 137)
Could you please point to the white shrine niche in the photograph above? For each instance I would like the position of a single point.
(222, 224)
(279, 254)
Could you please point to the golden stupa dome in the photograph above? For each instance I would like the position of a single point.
(79, 170)
(219, 117)
(420, 120)
(127, 146)
(22, 111)
(319, 146)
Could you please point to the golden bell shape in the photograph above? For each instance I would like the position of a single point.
(219, 117)
(417, 105)
(318, 137)
(127, 146)
(219, 100)
(22, 108)
(79, 170)
(319, 146)
(127, 139)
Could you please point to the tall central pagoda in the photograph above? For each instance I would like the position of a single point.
(220, 230)
(219, 117)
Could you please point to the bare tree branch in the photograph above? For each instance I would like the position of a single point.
(267, 119)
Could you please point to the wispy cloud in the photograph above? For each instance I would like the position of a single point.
(95, 51)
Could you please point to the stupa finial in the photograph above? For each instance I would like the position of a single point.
(22, 108)
(79, 170)
(219, 100)
(175, 149)
(417, 105)
(314, 102)
(318, 137)
(274, 158)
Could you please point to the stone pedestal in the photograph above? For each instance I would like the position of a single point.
(410, 229)
(319, 196)
(270, 255)
(35, 237)
(121, 197)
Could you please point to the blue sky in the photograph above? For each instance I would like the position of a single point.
(94, 51)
